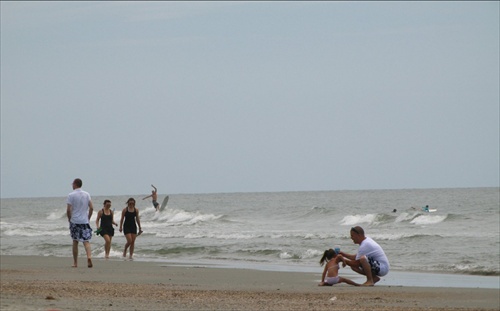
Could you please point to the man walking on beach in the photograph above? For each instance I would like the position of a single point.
(370, 260)
(79, 209)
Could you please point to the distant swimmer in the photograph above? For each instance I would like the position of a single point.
(394, 210)
(154, 196)
(426, 208)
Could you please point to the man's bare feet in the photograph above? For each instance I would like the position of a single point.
(368, 283)
(74, 265)
(89, 263)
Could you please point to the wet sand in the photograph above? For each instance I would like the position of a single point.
(50, 283)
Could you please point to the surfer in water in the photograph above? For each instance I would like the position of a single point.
(154, 196)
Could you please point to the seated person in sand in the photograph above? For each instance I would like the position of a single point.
(331, 272)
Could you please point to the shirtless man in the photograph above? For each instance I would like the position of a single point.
(154, 196)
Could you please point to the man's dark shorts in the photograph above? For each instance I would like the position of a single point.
(80, 232)
(374, 264)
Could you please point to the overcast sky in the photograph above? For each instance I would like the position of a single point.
(202, 97)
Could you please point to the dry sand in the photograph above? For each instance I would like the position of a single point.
(50, 283)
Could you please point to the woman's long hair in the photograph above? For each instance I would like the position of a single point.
(327, 256)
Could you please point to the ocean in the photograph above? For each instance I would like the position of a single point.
(282, 230)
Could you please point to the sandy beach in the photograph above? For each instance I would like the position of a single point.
(50, 283)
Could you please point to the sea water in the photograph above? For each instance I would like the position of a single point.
(282, 230)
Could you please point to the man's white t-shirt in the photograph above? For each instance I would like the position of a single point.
(370, 248)
(79, 200)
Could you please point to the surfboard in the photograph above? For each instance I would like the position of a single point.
(431, 210)
(164, 203)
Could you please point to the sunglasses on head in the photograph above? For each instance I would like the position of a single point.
(354, 229)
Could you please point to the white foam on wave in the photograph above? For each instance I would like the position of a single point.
(311, 253)
(473, 269)
(223, 236)
(390, 236)
(181, 217)
(31, 230)
(406, 216)
(350, 220)
(58, 214)
(285, 255)
(100, 253)
(297, 235)
(306, 254)
(34, 233)
(428, 219)
(395, 236)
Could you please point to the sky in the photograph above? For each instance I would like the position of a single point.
(221, 97)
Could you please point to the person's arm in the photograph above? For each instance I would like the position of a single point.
(69, 211)
(97, 219)
(121, 220)
(350, 260)
(352, 263)
(348, 256)
(156, 190)
(91, 209)
(340, 259)
(147, 197)
(113, 218)
(138, 220)
(323, 275)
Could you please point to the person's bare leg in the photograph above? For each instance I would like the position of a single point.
(128, 237)
(107, 245)
(348, 281)
(367, 271)
(75, 254)
(89, 253)
(132, 244)
(125, 250)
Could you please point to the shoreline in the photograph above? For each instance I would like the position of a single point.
(50, 283)
(394, 278)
